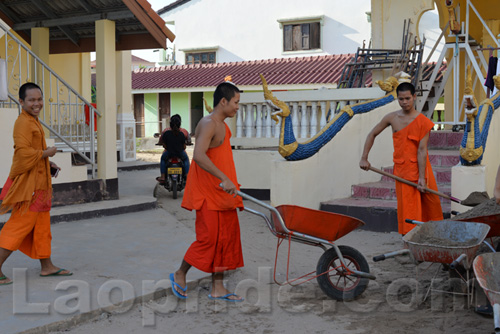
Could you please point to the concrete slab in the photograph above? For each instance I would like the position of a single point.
(113, 259)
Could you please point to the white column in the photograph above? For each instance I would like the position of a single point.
(304, 121)
(239, 121)
(249, 121)
(314, 118)
(268, 121)
(258, 124)
(295, 117)
(322, 120)
(125, 116)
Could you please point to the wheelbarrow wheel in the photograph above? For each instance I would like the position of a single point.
(334, 280)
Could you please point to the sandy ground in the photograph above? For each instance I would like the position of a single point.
(391, 303)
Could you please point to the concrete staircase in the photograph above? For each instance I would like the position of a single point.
(375, 202)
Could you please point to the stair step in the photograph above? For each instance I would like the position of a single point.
(445, 139)
(442, 175)
(378, 215)
(387, 191)
(444, 158)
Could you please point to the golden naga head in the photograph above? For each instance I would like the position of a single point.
(469, 98)
(388, 85)
(496, 80)
(280, 108)
(209, 109)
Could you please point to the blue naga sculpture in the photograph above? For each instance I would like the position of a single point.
(478, 123)
(292, 150)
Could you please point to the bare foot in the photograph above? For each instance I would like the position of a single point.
(54, 271)
(4, 280)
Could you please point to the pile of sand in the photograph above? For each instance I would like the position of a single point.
(487, 208)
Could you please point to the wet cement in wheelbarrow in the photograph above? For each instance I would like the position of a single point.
(487, 208)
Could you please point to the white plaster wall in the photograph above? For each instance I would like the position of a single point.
(253, 168)
(8, 117)
(491, 157)
(249, 30)
(335, 168)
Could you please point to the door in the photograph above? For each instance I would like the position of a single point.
(196, 109)
(139, 115)
(163, 109)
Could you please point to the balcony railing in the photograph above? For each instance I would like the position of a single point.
(310, 111)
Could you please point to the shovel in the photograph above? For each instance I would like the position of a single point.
(475, 198)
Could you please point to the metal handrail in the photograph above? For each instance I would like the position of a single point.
(67, 109)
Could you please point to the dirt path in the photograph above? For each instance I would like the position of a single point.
(389, 305)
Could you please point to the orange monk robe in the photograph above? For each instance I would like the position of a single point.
(28, 192)
(218, 245)
(413, 204)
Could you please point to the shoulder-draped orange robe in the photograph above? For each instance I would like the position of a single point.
(412, 204)
(218, 245)
(28, 192)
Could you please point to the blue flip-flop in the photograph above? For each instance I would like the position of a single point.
(174, 290)
(226, 298)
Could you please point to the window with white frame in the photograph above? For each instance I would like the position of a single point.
(200, 58)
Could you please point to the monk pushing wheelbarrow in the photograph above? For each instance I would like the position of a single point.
(342, 272)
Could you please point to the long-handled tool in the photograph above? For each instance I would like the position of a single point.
(475, 198)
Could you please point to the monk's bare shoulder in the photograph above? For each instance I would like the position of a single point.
(206, 124)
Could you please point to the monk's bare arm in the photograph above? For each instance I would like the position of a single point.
(370, 139)
(205, 132)
(422, 162)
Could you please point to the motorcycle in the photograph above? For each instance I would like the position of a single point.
(174, 180)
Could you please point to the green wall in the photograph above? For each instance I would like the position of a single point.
(150, 114)
(179, 104)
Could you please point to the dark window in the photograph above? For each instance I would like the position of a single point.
(305, 36)
(200, 58)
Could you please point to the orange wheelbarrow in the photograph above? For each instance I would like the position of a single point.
(487, 270)
(342, 272)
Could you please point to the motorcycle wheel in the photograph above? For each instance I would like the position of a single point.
(174, 189)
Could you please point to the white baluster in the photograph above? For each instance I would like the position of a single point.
(268, 125)
(258, 124)
(277, 127)
(249, 121)
(342, 104)
(239, 121)
(304, 120)
(314, 118)
(322, 119)
(333, 108)
(295, 117)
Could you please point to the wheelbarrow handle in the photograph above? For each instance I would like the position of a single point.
(455, 263)
(391, 254)
(413, 184)
(416, 222)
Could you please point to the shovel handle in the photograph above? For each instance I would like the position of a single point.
(400, 179)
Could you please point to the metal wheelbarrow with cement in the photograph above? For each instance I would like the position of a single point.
(487, 270)
(342, 272)
(446, 242)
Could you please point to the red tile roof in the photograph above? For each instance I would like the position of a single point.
(283, 71)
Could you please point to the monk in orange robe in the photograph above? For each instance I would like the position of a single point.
(211, 190)
(411, 161)
(28, 190)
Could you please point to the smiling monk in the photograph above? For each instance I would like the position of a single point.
(28, 190)
(410, 134)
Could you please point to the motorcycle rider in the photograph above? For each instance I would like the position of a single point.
(174, 141)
